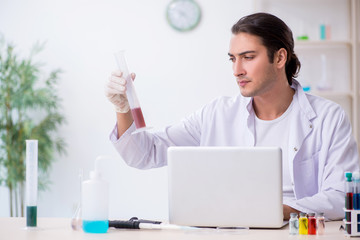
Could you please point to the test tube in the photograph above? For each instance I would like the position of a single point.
(31, 182)
(348, 196)
(136, 111)
(356, 190)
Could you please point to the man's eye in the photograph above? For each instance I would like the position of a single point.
(248, 57)
(232, 59)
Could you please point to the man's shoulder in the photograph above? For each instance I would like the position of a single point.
(314, 105)
(324, 106)
(226, 101)
(224, 105)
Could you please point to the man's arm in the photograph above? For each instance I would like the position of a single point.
(124, 121)
(319, 178)
(287, 210)
(149, 148)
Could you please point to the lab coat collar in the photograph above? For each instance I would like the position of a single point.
(249, 105)
(306, 107)
(250, 118)
(304, 103)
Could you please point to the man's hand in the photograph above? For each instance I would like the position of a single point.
(115, 91)
(287, 210)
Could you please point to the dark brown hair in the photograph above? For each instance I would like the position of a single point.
(274, 34)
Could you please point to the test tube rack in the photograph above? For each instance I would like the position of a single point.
(352, 222)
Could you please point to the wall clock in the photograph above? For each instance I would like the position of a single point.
(183, 15)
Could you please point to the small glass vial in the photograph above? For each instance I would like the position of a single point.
(76, 221)
(294, 224)
(303, 224)
(320, 224)
(311, 224)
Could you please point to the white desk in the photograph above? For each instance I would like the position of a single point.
(59, 228)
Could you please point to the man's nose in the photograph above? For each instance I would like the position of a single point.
(238, 69)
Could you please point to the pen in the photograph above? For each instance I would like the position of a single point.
(145, 225)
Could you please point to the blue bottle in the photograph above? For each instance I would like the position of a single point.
(322, 31)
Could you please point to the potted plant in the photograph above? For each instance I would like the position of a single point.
(29, 109)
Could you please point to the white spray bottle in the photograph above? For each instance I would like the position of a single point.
(95, 202)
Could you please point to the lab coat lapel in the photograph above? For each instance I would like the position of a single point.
(301, 126)
(250, 120)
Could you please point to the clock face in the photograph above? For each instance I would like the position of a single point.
(183, 15)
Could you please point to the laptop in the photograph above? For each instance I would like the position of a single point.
(225, 186)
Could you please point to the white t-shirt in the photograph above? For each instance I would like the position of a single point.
(267, 134)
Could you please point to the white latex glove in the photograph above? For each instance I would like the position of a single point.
(115, 91)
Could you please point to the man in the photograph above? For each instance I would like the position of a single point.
(272, 110)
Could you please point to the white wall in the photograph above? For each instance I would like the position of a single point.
(176, 74)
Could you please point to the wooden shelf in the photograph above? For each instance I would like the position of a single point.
(322, 44)
(332, 94)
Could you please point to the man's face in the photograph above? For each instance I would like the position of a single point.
(254, 73)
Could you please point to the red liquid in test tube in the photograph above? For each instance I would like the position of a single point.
(349, 200)
(138, 117)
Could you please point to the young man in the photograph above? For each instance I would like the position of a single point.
(272, 110)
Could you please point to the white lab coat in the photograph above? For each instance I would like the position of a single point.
(322, 146)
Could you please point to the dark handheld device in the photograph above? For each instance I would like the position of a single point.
(132, 223)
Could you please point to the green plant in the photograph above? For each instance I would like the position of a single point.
(29, 109)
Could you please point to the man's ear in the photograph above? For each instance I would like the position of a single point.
(280, 57)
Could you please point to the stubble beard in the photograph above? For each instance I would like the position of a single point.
(261, 87)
